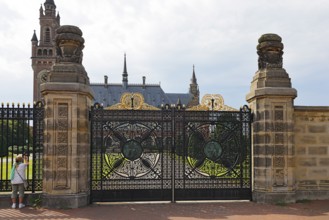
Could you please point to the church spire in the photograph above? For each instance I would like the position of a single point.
(125, 74)
(41, 10)
(194, 90)
(58, 18)
(193, 80)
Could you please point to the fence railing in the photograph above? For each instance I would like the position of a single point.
(21, 132)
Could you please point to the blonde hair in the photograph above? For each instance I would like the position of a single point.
(19, 159)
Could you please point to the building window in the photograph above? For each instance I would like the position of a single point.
(50, 52)
(39, 52)
(45, 52)
(47, 35)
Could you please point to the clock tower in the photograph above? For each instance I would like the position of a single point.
(44, 50)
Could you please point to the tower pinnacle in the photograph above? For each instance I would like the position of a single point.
(50, 8)
(34, 37)
(193, 80)
(125, 73)
(194, 90)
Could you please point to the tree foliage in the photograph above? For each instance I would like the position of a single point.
(15, 136)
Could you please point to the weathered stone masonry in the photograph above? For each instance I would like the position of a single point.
(312, 152)
(290, 143)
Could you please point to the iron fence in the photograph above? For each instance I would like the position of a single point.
(21, 132)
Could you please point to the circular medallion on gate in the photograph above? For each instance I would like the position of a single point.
(213, 150)
(132, 150)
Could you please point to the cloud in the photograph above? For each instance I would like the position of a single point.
(163, 39)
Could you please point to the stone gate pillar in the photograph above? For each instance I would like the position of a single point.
(271, 100)
(67, 96)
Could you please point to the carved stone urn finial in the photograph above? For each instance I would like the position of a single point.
(69, 44)
(270, 51)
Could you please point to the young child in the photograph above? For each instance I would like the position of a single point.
(17, 179)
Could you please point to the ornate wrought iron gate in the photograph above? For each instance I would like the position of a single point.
(170, 154)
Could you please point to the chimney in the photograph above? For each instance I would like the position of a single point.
(106, 80)
(144, 79)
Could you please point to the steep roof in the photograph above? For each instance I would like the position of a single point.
(110, 94)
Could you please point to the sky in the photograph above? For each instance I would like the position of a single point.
(164, 39)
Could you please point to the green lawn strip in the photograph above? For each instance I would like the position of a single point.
(5, 171)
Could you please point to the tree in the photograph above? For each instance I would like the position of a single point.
(15, 136)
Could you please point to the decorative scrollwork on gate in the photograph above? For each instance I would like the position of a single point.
(140, 155)
(131, 150)
(214, 148)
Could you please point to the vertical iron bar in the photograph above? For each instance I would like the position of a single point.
(3, 148)
(91, 154)
(250, 153)
(29, 135)
(241, 141)
(101, 145)
(35, 145)
(173, 144)
(184, 146)
(7, 146)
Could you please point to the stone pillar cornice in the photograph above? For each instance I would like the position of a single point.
(271, 92)
(59, 88)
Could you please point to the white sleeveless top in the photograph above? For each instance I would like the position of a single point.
(21, 170)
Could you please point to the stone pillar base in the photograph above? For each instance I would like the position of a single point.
(274, 197)
(312, 194)
(68, 201)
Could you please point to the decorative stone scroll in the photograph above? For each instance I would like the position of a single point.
(69, 44)
(270, 51)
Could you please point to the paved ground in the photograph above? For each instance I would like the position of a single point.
(317, 210)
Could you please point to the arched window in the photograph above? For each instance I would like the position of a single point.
(45, 52)
(47, 35)
(39, 52)
(50, 53)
